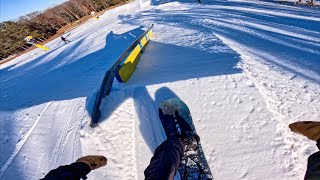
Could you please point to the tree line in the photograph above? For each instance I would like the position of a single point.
(42, 25)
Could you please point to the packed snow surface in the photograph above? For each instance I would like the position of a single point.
(246, 69)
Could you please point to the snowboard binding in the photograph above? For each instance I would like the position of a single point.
(178, 127)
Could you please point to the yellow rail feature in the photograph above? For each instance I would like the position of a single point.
(129, 64)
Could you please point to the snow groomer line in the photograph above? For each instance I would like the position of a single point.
(122, 69)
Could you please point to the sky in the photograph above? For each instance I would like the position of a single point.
(12, 9)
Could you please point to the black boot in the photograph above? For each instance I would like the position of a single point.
(187, 135)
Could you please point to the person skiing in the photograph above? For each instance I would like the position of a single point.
(65, 40)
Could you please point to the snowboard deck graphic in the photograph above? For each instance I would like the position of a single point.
(194, 164)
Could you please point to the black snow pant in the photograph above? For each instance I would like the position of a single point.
(313, 169)
(66, 41)
(165, 161)
(74, 171)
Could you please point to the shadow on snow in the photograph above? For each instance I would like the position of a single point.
(53, 79)
(290, 40)
(163, 63)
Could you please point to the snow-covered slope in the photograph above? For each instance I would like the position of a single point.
(246, 69)
(43, 98)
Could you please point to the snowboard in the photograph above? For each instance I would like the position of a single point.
(194, 164)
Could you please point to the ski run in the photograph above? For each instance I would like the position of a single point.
(246, 69)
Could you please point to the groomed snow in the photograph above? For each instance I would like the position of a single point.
(246, 69)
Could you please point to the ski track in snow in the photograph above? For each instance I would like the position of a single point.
(246, 69)
(62, 127)
(20, 144)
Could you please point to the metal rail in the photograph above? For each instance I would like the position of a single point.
(107, 81)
